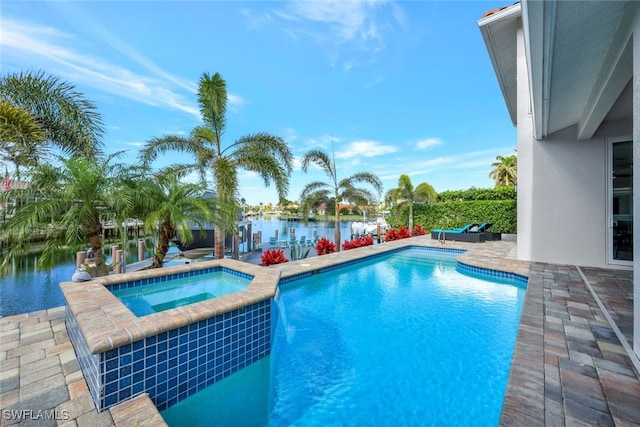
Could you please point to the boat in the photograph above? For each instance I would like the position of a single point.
(370, 228)
(202, 243)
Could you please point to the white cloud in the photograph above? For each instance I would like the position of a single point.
(48, 46)
(289, 134)
(235, 102)
(348, 18)
(354, 25)
(365, 149)
(428, 142)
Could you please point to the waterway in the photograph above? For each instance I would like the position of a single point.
(25, 288)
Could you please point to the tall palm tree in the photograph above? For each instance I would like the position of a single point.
(406, 195)
(67, 120)
(336, 190)
(170, 207)
(267, 155)
(66, 204)
(505, 170)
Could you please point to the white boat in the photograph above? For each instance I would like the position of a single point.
(363, 228)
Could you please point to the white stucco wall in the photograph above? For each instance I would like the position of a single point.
(525, 152)
(568, 207)
(569, 200)
(562, 188)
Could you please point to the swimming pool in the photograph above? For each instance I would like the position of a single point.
(161, 296)
(408, 337)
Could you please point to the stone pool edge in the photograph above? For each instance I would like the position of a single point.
(106, 323)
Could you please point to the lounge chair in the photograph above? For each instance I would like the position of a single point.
(273, 242)
(463, 234)
(469, 233)
(464, 229)
(482, 228)
(303, 241)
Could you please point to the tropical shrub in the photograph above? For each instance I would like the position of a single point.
(273, 256)
(418, 230)
(299, 252)
(471, 194)
(344, 211)
(357, 242)
(394, 234)
(325, 246)
(502, 213)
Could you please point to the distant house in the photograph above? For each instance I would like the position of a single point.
(6, 208)
(565, 69)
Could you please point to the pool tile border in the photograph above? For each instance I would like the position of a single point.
(494, 273)
(174, 365)
(180, 275)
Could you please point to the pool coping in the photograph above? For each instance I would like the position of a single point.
(106, 323)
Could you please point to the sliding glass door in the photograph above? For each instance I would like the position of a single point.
(620, 198)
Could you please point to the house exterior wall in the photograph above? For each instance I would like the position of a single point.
(525, 152)
(569, 197)
(562, 187)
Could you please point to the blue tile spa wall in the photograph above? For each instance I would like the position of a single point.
(175, 364)
(89, 362)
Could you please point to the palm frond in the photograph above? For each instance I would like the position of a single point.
(70, 121)
(212, 97)
(161, 145)
(320, 159)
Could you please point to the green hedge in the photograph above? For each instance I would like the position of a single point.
(453, 214)
(498, 193)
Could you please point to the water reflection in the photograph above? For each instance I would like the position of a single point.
(25, 287)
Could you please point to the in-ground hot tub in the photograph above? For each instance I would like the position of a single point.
(162, 295)
(173, 353)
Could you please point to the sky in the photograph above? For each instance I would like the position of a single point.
(390, 87)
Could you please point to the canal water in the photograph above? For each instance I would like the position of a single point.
(25, 288)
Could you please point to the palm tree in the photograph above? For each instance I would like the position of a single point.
(407, 195)
(21, 135)
(36, 108)
(66, 204)
(267, 155)
(317, 192)
(505, 170)
(170, 207)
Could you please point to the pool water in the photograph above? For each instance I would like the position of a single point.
(156, 297)
(403, 339)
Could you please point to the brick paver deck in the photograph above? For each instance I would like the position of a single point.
(569, 367)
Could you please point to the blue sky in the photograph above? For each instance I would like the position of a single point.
(394, 87)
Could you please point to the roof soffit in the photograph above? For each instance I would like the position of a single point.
(499, 34)
(579, 58)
